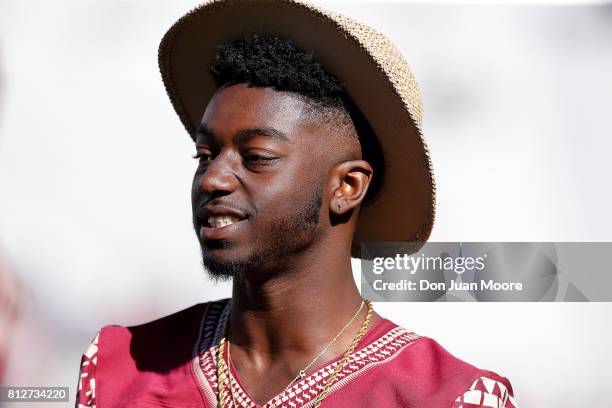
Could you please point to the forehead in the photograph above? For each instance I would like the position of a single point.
(240, 107)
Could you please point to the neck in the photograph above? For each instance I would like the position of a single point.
(298, 310)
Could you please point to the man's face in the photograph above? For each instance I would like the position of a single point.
(258, 189)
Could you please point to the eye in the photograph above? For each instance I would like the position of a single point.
(202, 157)
(256, 158)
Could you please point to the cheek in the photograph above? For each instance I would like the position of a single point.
(285, 195)
(194, 190)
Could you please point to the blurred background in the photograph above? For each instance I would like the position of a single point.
(95, 172)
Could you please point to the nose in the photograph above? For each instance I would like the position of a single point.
(218, 176)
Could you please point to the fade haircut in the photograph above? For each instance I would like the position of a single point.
(273, 62)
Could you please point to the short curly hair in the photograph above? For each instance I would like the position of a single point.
(273, 62)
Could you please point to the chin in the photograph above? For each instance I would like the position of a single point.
(230, 262)
(219, 252)
(224, 261)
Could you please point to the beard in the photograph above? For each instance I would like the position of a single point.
(289, 235)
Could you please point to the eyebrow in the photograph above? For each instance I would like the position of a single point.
(244, 135)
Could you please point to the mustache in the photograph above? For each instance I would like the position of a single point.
(204, 203)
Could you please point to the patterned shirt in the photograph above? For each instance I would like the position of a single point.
(172, 362)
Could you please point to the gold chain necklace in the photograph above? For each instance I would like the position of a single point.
(302, 372)
(223, 372)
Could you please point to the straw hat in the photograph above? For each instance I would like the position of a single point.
(375, 75)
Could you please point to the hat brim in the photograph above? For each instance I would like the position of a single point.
(376, 78)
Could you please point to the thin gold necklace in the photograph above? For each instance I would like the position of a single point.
(223, 370)
(302, 372)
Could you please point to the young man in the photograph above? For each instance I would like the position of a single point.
(307, 135)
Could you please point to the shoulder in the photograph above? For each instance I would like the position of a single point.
(121, 357)
(161, 343)
(469, 386)
(437, 376)
(174, 335)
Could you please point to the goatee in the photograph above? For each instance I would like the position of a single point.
(288, 235)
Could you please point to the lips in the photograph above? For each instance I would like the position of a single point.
(220, 222)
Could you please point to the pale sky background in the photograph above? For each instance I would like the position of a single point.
(95, 172)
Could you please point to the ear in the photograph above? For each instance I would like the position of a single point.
(351, 181)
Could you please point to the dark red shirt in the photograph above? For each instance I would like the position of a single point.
(171, 362)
